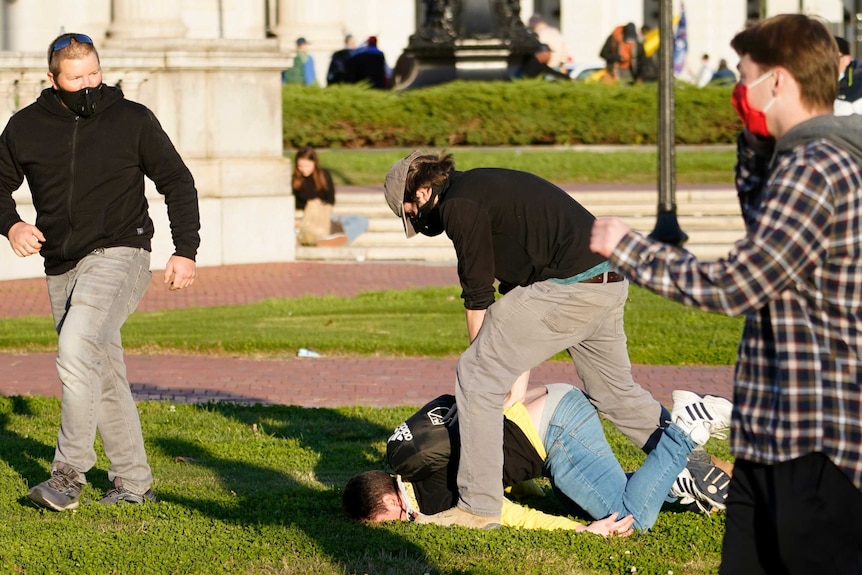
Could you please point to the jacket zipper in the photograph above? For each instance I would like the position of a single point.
(68, 237)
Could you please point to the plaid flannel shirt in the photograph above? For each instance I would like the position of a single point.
(797, 278)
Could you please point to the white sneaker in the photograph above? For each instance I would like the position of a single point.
(701, 416)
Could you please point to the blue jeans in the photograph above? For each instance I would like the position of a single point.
(581, 464)
(90, 303)
(353, 226)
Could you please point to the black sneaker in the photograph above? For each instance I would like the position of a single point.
(118, 494)
(705, 485)
(59, 493)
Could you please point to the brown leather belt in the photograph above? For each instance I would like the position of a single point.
(600, 279)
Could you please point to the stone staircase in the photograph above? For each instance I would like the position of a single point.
(708, 214)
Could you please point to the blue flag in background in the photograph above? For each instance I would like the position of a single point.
(680, 44)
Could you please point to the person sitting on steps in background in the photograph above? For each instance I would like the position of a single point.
(314, 197)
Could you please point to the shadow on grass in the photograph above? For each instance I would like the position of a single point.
(267, 496)
(25, 455)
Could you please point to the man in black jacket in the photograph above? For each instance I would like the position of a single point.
(84, 151)
(533, 238)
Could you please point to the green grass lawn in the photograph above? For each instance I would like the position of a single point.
(424, 322)
(559, 165)
(256, 490)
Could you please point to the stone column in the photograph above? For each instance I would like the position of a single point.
(319, 22)
(243, 19)
(30, 85)
(130, 81)
(8, 93)
(135, 19)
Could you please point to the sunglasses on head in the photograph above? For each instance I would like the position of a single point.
(67, 40)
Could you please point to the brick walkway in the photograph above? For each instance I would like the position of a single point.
(314, 382)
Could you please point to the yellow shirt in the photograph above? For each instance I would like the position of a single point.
(514, 515)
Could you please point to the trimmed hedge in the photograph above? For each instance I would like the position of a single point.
(518, 113)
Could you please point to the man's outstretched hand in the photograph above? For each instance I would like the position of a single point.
(610, 526)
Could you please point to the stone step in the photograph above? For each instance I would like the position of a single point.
(605, 209)
(389, 223)
(374, 197)
(377, 253)
(396, 238)
(612, 203)
(710, 217)
(440, 254)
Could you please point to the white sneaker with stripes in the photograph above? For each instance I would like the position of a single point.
(701, 416)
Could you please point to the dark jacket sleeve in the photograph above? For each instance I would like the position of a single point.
(162, 163)
(11, 178)
(469, 228)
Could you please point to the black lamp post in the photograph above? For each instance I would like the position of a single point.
(667, 226)
(857, 28)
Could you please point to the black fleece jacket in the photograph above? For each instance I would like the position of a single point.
(515, 227)
(86, 176)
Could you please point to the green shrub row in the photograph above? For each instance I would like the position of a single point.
(518, 113)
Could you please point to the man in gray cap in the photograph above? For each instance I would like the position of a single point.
(533, 238)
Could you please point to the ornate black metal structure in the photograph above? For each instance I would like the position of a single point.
(465, 39)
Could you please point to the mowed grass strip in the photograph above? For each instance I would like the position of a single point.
(426, 322)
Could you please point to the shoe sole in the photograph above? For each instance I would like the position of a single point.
(711, 481)
(332, 242)
(714, 483)
(37, 498)
(132, 499)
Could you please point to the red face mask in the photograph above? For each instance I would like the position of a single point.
(754, 120)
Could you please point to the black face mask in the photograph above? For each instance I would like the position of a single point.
(428, 221)
(83, 102)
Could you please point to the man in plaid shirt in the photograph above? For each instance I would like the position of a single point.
(795, 501)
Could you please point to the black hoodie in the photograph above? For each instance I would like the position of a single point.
(86, 176)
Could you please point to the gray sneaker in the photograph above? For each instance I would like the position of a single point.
(62, 491)
(118, 494)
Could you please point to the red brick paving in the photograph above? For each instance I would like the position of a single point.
(313, 382)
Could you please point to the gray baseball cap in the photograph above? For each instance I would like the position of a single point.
(393, 189)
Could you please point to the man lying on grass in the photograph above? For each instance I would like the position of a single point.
(555, 432)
